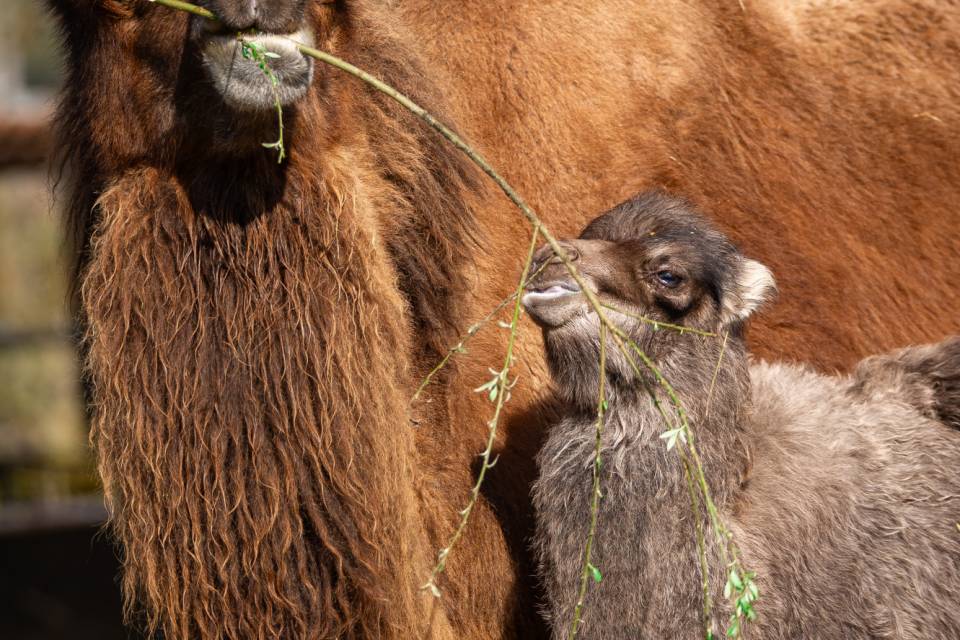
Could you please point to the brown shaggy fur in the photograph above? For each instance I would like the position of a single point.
(210, 276)
(842, 491)
(248, 353)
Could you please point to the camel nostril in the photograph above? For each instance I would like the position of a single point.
(276, 16)
(233, 16)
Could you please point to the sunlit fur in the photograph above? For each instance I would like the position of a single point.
(248, 350)
(839, 490)
(827, 125)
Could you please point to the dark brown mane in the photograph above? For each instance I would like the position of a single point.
(231, 492)
(424, 181)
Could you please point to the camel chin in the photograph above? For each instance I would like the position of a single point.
(243, 84)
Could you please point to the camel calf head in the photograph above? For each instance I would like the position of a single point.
(652, 257)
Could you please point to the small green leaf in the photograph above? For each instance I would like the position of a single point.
(604, 405)
(432, 588)
(734, 629)
(594, 573)
(671, 437)
(735, 579)
(486, 386)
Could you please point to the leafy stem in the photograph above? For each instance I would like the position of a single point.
(658, 324)
(498, 390)
(589, 569)
(257, 53)
(472, 330)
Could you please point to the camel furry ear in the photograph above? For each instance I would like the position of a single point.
(753, 287)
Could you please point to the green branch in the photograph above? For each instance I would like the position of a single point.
(589, 570)
(657, 324)
(189, 8)
(498, 390)
(472, 330)
(260, 56)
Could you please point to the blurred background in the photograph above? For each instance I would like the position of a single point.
(58, 569)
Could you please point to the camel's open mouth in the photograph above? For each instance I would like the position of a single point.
(545, 292)
(552, 302)
(242, 82)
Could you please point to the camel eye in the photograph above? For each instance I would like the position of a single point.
(668, 278)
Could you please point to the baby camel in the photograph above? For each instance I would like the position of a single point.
(842, 492)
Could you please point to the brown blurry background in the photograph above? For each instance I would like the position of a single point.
(57, 568)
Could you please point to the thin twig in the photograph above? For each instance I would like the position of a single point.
(701, 543)
(657, 324)
(255, 51)
(740, 585)
(588, 568)
(502, 386)
(716, 372)
(473, 330)
(717, 523)
(189, 8)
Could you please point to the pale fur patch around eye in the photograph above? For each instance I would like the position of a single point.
(753, 288)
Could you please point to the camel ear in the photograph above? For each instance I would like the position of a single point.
(753, 287)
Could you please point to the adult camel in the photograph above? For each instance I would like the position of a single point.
(254, 330)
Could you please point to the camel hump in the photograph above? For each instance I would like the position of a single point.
(927, 376)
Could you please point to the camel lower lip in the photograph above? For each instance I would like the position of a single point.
(241, 81)
(552, 292)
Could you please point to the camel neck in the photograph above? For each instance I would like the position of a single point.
(711, 401)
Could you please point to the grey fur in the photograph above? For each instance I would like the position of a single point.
(843, 492)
